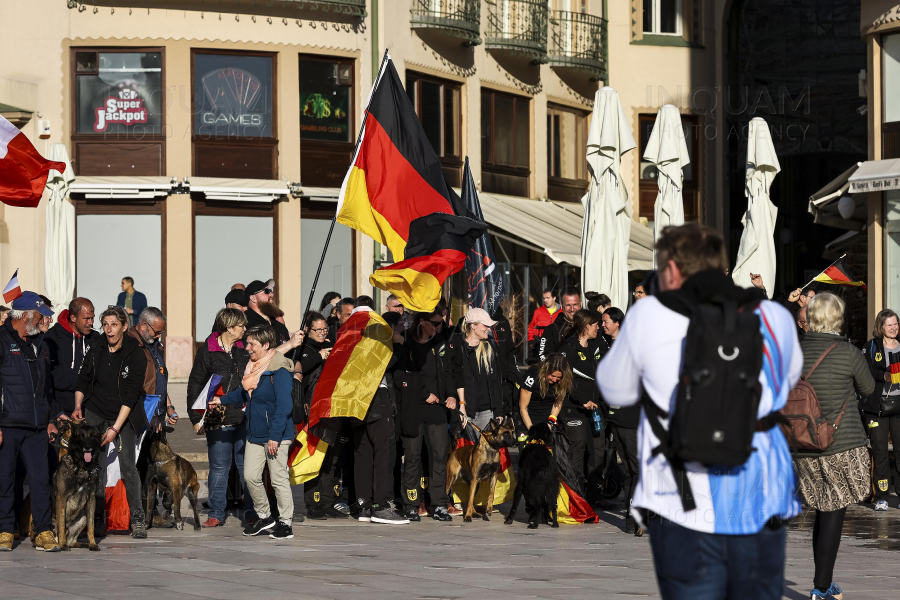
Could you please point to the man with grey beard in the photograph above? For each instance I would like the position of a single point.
(25, 417)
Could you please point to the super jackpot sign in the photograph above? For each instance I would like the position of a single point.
(127, 108)
(234, 99)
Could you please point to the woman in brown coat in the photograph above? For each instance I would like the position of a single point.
(839, 476)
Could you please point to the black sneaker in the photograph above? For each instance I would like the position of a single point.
(440, 514)
(388, 516)
(138, 527)
(260, 525)
(282, 531)
(412, 514)
(316, 512)
(333, 513)
(365, 515)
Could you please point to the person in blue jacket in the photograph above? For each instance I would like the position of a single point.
(133, 301)
(266, 391)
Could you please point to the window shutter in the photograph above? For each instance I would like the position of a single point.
(637, 20)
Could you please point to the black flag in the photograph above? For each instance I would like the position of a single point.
(485, 282)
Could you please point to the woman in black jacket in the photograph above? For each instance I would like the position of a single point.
(222, 354)
(583, 351)
(477, 372)
(109, 394)
(880, 416)
(426, 387)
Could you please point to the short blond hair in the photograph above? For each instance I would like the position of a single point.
(227, 318)
(825, 313)
(693, 248)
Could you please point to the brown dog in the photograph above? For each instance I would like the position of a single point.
(175, 477)
(475, 464)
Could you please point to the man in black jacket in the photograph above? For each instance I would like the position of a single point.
(258, 295)
(68, 342)
(25, 417)
(551, 338)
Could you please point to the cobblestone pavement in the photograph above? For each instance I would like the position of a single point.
(343, 559)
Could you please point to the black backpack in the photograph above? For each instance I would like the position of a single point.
(718, 392)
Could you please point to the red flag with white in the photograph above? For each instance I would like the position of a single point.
(201, 403)
(118, 515)
(23, 171)
(12, 289)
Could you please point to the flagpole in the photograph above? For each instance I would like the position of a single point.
(822, 271)
(362, 128)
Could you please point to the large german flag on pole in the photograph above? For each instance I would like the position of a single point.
(395, 176)
(436, 249)
(837, 274)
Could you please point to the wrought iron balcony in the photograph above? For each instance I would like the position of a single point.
(578, 41)
(280, 8)
(518, 26)
(460, 18)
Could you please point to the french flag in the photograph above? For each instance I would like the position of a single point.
(23, 171)
(201, 403)
(12, 289)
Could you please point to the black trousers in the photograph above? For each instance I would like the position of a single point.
(373, 469)
(31, 445)
(626, 448)
(321, 489)
(878, 435)
(586, 452)
(437, 440)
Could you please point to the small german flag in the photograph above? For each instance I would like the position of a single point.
(895, 367)
(838, 274)
(437, 248)
(395, 176)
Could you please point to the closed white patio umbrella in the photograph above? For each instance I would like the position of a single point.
(59, 254)
(757, 250)
(607, 209)
(668, 150)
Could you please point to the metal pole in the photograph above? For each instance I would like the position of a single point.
(312, 292)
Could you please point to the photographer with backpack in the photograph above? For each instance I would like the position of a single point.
(716, 470)
(833, 478)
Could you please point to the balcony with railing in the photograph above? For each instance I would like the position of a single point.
(518, 26)
(279, 8)
(459, 18)
(578, 42)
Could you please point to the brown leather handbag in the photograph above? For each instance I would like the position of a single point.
(804, 426)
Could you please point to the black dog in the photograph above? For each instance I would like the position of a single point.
(174, 477)
(77, 482)
(538, 478)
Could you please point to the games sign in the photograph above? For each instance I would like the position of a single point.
(233, 96)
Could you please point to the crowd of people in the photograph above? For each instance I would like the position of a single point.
(594, 378)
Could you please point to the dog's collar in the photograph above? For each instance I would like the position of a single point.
(537, 442)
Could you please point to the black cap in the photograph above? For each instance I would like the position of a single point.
(236, 297)
(255, 287)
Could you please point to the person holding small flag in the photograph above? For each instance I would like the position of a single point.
(881, 408)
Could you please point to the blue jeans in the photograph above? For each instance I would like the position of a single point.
(704, 566)
(222, 444)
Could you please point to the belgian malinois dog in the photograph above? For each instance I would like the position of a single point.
(475, 464)
(538, 478)
(76, 483)
(175, 477)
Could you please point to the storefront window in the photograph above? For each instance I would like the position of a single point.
(891, 77)
(892, 249)
(326, 93)
(566, 143)
(233, 96)
(119, 93)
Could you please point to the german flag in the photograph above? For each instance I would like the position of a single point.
(838, 274)
(571, 506)
(437, 248)
(506, 481)
(895, 367)
(306, 456)
(395, 176)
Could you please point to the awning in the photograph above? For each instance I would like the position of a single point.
(122, 187)
(555, 228)
(240, 190)
(876, 176)
(321, 194)
(823, 205)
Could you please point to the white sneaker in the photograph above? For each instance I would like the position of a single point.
(881, 505)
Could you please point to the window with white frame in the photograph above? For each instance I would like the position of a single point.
(663, 17)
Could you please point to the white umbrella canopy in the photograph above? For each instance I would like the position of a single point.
(607, 210)
(59, 254)
(668, 150)
(757, 250)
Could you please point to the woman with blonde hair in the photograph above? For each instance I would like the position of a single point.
(831, 480)
(882, 407)
(477, 367)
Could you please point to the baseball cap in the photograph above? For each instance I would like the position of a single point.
(236, 297)
(479, 315)
(255, 287)
(31, 301)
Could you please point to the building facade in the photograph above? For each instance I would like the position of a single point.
(209, 140)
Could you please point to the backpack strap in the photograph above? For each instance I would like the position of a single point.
(840, 416)
(830, 348)
(678, 471)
